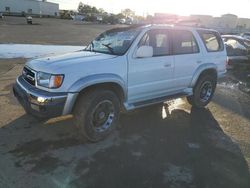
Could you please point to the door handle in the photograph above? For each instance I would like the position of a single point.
(199, 61)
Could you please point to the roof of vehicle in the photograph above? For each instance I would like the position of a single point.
(172, 26)
(235, 37)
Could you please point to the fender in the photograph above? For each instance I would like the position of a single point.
(88, 81)
(200, 69)
(98, 79)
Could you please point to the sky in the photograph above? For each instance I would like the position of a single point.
(180, 7)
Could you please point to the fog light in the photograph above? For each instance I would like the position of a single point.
(41, 99)
(34, 107)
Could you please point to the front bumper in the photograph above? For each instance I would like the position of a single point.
(38, 102)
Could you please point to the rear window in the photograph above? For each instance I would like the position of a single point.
(212, 41)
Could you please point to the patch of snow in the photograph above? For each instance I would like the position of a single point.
(34, 50)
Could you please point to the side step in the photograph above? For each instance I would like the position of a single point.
(156, 100)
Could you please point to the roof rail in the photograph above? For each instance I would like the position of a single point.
(186, 22)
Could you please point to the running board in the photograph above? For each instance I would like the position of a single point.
(155, 101)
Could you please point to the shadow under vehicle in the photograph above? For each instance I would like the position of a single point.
(186, 148)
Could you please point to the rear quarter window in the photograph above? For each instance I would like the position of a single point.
(212, 41)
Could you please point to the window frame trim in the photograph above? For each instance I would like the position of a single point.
(195, 40)
(217, 35)
(169, 34)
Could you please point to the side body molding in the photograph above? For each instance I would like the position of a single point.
(200, 69)
(98, 79)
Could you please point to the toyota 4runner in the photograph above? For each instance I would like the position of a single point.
(123, 68)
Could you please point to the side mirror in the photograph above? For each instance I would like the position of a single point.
(144, 51)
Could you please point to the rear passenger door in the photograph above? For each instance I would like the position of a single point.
(187, 57)
(215, 52)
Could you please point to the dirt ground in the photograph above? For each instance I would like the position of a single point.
(170, 145)
(49, 31)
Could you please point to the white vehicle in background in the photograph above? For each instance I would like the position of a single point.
(29, 19)
(122, 21)
(123, 69)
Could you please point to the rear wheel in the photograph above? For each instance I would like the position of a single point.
(97, 113)
(203, 91)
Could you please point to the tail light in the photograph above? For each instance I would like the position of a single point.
(228, 62)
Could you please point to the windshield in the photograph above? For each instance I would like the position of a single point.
(115, 41)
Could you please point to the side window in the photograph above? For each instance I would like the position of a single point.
(212, 41)
(235, 44)
(184, 42)
(159, 40)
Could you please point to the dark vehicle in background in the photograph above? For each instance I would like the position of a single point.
(246, 35)
(238, 50)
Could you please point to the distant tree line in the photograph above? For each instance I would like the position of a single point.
(92, 14)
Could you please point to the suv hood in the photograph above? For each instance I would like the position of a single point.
(55, 64)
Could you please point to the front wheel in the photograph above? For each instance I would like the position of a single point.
(203, 91)
(97, 113)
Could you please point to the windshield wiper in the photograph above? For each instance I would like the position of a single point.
(109, 48)
(89, 48)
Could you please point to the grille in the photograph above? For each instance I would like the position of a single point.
(29, 75)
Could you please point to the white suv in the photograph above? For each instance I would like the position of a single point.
(123, 68)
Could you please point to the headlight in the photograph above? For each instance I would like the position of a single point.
(49, 80)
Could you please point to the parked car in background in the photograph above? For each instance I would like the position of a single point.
(246, 35)
(129, 21)
(122, 21)
(29, 20)
(238, 50)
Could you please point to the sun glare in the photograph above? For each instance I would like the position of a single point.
(180, 7)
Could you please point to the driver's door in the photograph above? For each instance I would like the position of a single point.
(151, 77)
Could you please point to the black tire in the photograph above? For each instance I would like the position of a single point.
(97, 107)
(203, 91)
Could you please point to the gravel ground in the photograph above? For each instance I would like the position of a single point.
(49, 31)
